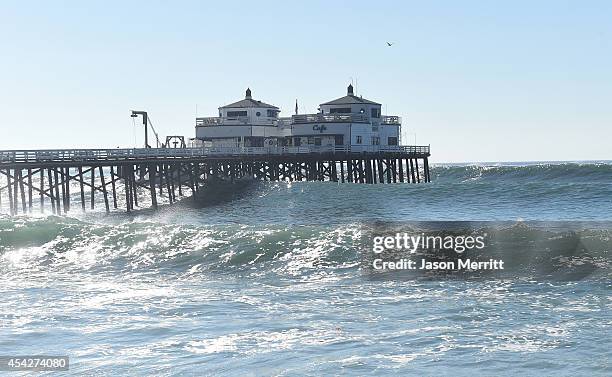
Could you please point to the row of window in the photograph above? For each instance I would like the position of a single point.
(234, 114)
(374, 112)
(340, 110)
(391, 140)
(243, 113)
(316, 141)
(274, 113)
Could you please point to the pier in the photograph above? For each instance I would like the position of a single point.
(58, 180)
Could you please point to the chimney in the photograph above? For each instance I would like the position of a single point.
(349, 90)
(248, 93)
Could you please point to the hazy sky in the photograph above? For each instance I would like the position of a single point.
(478, 80)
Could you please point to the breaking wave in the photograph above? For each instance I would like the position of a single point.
(538, 250)
(563, 172)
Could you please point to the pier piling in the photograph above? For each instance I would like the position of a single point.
(162, 174)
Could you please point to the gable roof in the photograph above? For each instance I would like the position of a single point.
(349, 100)
(249, 103)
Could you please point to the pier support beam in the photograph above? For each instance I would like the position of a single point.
(10, 192)
(104, 193)
(92, 198)
(160, 179)
(152, 173)
(42, 190)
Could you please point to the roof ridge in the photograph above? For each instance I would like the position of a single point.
(350, 99)
(249, 102)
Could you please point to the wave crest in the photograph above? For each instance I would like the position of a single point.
(565, 251)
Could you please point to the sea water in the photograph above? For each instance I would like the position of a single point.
(269, 280)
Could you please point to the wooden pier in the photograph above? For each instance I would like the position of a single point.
(58, 180)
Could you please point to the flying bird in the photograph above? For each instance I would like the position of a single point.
(389, 44)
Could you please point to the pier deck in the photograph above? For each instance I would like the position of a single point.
(129, 177)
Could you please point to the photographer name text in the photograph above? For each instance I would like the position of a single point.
(459, 264)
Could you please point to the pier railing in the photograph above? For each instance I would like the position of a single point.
(329, 118)
(14, 156)
(298, 119)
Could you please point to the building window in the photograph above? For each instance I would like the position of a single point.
(310, 140)
(375, 140)
(297, 141)
(339, 139)
(359, 140)
(375, 113)
(258, 113)
(392, 140)
(233, 114)
(254, 141)
(317, 141)
(272, 113)
(340, 110)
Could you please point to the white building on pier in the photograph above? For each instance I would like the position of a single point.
(346, 121)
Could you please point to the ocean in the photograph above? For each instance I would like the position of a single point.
(270, 278)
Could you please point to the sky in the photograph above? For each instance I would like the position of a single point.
(476, 80)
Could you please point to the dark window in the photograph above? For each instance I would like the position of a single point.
(339, 139)
(392, 140)
(232, 114)
(375, 140)
(297, 141)
(359, 140)
(375, 112)
(341, 110)
(272, 113)
(258, 113)
(255, 142)
(317, 141)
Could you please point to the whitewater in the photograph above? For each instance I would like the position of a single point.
(272, 279)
